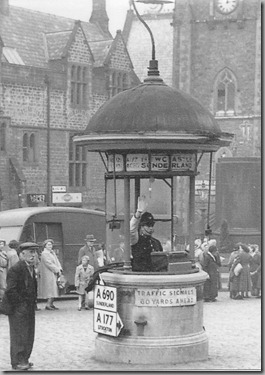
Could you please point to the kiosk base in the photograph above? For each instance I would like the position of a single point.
(142, 350)
(162, 317)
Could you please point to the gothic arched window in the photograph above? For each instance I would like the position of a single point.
(29, 147)
(225, 93)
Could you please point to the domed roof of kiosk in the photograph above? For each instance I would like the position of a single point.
(148, 116)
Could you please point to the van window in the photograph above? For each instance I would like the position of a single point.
(10, 233)
(48, 230)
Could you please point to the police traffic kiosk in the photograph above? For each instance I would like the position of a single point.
(147, 136)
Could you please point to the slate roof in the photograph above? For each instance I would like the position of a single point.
(100, 51)
(34, 33)
(56, 43)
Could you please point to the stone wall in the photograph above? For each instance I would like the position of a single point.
(25, 100)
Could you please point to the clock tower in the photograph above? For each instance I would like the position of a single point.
(217, 59)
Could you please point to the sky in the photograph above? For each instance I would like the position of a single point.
(79, 9)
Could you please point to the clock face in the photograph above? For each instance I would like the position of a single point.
(226, 6)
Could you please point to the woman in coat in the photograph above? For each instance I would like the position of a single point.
(255, 273)
(233, 281)
(50, 269)
(210, 265)
(244, 283)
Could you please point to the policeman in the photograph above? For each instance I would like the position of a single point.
(142, 242)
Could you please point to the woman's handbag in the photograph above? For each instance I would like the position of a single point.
(5, 306)
(61, 282)
(238, 269)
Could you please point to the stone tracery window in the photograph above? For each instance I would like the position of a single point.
(225, 93)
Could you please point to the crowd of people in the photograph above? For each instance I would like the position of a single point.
(244, 268)
(27, 273)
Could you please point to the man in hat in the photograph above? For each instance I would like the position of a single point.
(21, 292)
(89, 250)
(143, 244)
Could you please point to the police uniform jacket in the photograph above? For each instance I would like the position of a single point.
(142, 247)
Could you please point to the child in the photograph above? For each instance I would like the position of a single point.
(83, 274)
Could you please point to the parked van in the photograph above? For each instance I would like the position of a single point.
(67, 226)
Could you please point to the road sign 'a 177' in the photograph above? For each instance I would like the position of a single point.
(107, 322)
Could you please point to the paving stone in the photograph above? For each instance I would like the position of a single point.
(65, 340)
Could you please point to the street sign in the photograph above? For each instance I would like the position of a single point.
(165, 297)
(66, 197)
(105, 298)
(107, 322)
(106, 318)
(59, 189)
(35, 199)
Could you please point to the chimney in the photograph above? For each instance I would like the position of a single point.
(99, 15)
(4, 7)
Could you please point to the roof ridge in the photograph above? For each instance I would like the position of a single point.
(39, 11)
(58, 31)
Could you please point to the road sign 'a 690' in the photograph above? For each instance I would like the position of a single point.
(105, 298)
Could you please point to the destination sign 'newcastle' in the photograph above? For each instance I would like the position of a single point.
(157, 162)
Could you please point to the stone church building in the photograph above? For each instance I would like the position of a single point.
(55, 73)
(210, 49)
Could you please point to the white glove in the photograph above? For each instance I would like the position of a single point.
(142, 204)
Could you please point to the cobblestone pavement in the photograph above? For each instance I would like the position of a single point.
(65, 339)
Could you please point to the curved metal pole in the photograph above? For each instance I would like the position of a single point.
(148, 28)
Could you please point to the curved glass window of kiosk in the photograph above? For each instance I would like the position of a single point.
(170, 213)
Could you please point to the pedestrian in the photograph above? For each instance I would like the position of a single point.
(83, 274)
(255, 267)
(211, 264)
(12, 254)
(204, 247)
(233, 279)
(142, 241)
(198, 253)
(21, 292)
(3, 268)
(219, 259)
(245, 284)
(118, 253)
(106, 257)
(90, 250)
(50, 270)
